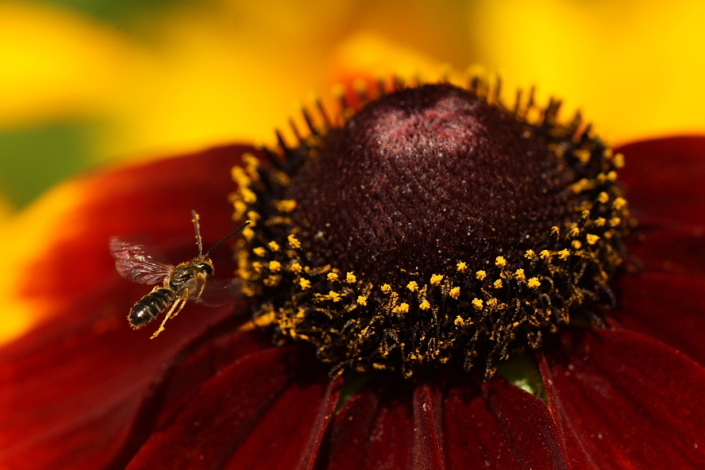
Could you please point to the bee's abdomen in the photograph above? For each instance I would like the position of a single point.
(149, 306)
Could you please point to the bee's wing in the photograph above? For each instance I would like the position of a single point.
(134, 264)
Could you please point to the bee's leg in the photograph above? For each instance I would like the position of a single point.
(176, 307)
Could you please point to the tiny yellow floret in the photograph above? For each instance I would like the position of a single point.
(462, 267)
(603, 197)
(286, 205)
(592, 239)
(459, 321)
(498, 284)
(412, 286)
(436, 279)
(275, 266)
(500, 262)
(294, 242)
(481, 275)
(455, 292)
(618, 160)
(259, 251)
(295, 268)
(386, 288)
(530, 254)
(401, 308)
(519, 274)
(576, 244)
(362, 300)
(614, 221)
(534, 282)
(600, 222)
(545, 254)
(332, 277)
(619, 203)
(274, 246)
(564, 254)
(350, 278)
(425, 305)
(477, 303)
(334, 296)
(304, 283)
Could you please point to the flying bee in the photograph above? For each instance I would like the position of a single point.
(179, 283)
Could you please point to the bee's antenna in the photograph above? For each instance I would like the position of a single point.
(199, 241)
(224, 239)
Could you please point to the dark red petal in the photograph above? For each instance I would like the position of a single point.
(671, 250)
(267, 411)
(665, 307)
(70, 389)
(394, 425)
(627, 401)
(664, 179)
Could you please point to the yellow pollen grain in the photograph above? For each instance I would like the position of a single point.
(592, 239)
(576, 244)
(497, 284)
(386, 288)
(534, 282)
(500, 262)
(295, 268)
(362, 300)
(240, 177)
(332, 277)
(436, 279)
(294, 242)
(612, 176)
(492, 303)
(614, 221)
(618, 160)
(455, 292)
(462, 267)
(248, 196)
(285, 205)
(425, 305)
(477, 303)
(240, 209)
(412, 286)
(564, 254)
(530, 254)
(275, 266)
(459, 321)
(350, 278)
(401, 308)
(519, 274)
(545, 254)
(304, 283)
(259, 251)
(253, 217)
(481, 275)
(334, 296)
(555, 231)
(600, 222)
(248, 234)
(574, 232)
(603, 197)
(583, 155)
(619, 203)
(274, 246)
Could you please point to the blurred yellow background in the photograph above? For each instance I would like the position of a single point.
(83, 82)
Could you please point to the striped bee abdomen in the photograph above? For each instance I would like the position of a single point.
(150, 306)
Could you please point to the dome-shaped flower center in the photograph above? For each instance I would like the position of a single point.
(431, 224)
(423, 178)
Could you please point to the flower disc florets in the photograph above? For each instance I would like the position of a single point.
(433, 223)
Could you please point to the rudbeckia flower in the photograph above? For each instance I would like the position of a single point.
(430, 279)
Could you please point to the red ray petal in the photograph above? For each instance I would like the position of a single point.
(664, 178)
(665, 307)
(671, 250)
(396, 425)
(627, 401)
(62, 385)
(266, 411)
